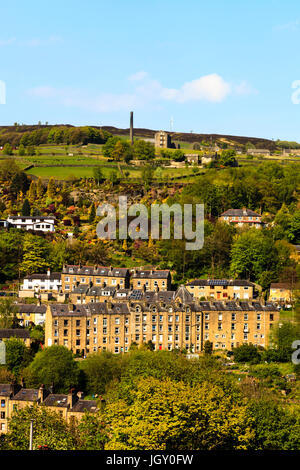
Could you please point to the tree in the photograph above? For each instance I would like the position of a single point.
(253, 253)
(39, 189)
(178, 155)
(21, 150)
(246, 353)
(7, 149)
(8, 313)
(147, 175)
(208, 347)
(91, 432)
(165, 415)
(51, 188)
(17, 355)
(49, 427)
(98, 174)
(143, 150)
(26, 208)
(32, 193)
(281, 338)
(35, 254)
(92, 213)
(54, 365)
(227, 157)
(276, 428)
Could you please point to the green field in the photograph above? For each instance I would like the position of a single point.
(67, 172)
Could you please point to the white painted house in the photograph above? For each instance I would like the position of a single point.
(43, 224)
(39, 283)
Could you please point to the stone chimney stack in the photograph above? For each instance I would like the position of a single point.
(42, 393)
(72, 398)
(131, 127)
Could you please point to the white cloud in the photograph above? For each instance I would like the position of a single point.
(211, 88)
(7, 42)
(291, 26)
(147, 91)
(244, 88)
(138, 76)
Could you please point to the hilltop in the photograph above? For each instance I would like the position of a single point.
(185, 137)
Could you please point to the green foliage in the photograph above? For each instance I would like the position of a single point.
(7, 149)
(275, 428)
(54, 365)
(26, 208)
(17, 355)
(143, 150)
(35, 251)
(247, 353)
(49, 428)
(8, 313)
(165, 415)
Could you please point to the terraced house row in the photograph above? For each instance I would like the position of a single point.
(70, 406)
(169, 319)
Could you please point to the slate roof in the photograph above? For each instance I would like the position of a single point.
(54, 399)
(151, 274)
(220, 282)
(85, 405)
(14, 332)
(31, 308)
(5, 390)
(95, 271)
(52, 276)
(240, 213)
(26, 394)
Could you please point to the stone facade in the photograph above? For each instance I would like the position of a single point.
(169, 319)
(13, 397)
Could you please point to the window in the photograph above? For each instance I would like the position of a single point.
(77, 342)
(65, 322)
(77, 322)
(206, 316)
(258, 326)
(117, 321)
(116, 339)
(77, 332)
(104, 321)
(104, 331)
(233, 316)
(271, 316)
(2, 403)
(65, 332)
(117, 330)
(170, 318)
(258, 316)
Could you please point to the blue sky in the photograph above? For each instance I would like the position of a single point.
(222, 67)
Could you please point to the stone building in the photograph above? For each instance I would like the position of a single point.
(74, 275)
(221, 289)
(13, 397)
(242, 217)
(162, 140)
(169, 319)
(153, 279)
